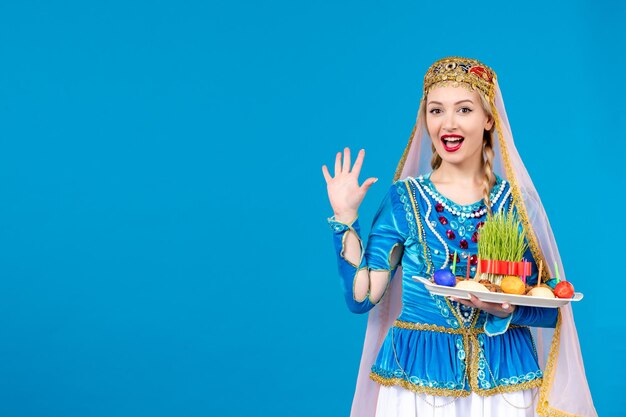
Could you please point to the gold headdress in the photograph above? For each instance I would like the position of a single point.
(456, 71)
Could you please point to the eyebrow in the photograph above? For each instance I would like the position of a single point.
(458, 102)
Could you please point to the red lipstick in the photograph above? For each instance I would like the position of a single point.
(451, 142)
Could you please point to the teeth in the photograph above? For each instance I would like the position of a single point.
(453, 140)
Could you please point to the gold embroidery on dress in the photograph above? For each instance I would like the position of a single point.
(469, 337)
(420, 228)
(417, 388)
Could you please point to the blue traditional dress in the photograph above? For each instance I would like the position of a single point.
(437, 346)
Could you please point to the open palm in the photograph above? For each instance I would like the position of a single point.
(344, 192)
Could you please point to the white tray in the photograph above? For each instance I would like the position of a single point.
(496, 297)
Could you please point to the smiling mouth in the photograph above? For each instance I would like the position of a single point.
(452, 144)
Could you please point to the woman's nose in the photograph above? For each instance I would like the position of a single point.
(449, 122)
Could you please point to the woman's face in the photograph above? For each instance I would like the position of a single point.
(456, 121)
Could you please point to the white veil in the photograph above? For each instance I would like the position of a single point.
(564, 391)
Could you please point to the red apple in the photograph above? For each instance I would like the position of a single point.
(564, 290)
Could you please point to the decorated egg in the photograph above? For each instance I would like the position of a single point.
(552, 282)
(471, 285)
(444, 277)
(543, 292)
(564, 290)
(513, 285)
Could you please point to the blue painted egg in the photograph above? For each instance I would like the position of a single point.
(552, 282)
(444, 277)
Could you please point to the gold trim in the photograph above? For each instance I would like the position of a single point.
(441, 329)
(369, 290)
(429, 327)
(420, 227)
(343, 246)
(543, 408)
(498, 389)
(459, 318)
(358, 269)
(472, 374)
(501, 389)
(470, 344)
(446, 392)
(392, 267)
(354, 284)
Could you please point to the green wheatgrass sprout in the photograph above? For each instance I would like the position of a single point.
(501, 239)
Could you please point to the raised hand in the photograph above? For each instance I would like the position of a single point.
(344, 192)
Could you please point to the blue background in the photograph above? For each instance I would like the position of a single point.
(163, 241)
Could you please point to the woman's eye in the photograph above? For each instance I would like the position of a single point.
(435, 111)
(465, 110)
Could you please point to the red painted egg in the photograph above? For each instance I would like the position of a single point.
(564, 290)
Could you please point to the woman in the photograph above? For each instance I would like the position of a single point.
(423, 354)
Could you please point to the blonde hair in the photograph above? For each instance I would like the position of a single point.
(488, 153)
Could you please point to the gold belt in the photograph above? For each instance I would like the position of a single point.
(436, 328)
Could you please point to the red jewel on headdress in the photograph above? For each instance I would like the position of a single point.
(481, 72)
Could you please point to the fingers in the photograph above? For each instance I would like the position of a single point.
(493, 308)
(338, 164)
(484, 305)
(358, 162)
(368, 183)
(346, 160)
(472, 302)
(327, 176)
(463, 301)
(476, 302)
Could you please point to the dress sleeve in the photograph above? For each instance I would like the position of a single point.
(388, 232)
(389, 229)
(523, 315)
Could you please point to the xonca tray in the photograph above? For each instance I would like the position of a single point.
(497, 297)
